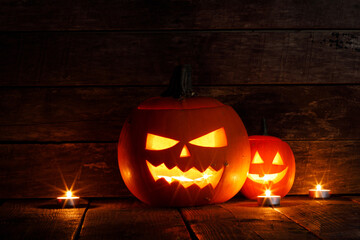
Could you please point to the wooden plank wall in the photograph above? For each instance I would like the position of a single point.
(70, 72)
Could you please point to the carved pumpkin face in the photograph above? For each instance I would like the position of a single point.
(186, 152)
(272, 167)
(214, 139)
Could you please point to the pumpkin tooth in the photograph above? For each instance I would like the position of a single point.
(187, 178)
(200, 169)
(169, 164)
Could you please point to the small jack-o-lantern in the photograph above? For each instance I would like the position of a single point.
(183, 151)
(272, 167)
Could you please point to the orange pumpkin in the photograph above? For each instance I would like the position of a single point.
(183, 152)
(272, 167)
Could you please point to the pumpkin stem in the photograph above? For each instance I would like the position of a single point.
(180, 85)
(264, 127)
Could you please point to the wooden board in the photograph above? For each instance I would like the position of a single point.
(141, 14)
(34, 170)
(127, 218)
(334, 164)
(242, 220)
(96, 114)
(38, 219)
(130, 219)
(38, 170)
(336, 218)
(218, 58)
(354, 198)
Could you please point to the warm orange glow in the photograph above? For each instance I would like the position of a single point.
(188, 178)
(155, 142)
(274, 177)
(68, 194)
(257, 159)
(185, 152)
(318, 187)
(278, 160)
(268, 193)
(215, 138)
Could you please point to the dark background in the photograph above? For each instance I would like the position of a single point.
(71, 71)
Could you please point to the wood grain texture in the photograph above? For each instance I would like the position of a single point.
(334, 164)
(127, 218)
(242, 220)
(184, 14)
(353, 198)
(130, 219)
(335, 218)
(96, 114)
(37, 170)
(218, 58)
(38, 219)
(34, 170)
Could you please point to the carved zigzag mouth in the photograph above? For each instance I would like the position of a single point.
(188, 178)
(274, 177)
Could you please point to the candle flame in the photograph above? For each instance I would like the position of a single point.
(68, 194)
(318, 187)
(268, 193)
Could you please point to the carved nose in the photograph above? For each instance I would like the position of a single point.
(185, 152)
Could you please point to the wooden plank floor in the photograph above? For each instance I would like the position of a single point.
(131, 219)
(328, 219)
(297, 218)
(39, 219)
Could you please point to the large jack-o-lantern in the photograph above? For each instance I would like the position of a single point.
(183, 151)
(272, 167)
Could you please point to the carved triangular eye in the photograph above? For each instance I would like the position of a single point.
(155, 142)
(278, 160)
(257, 159)
(213, 139)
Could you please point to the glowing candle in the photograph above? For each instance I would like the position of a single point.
(319, 192)
(268, 199)
(68, 201)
